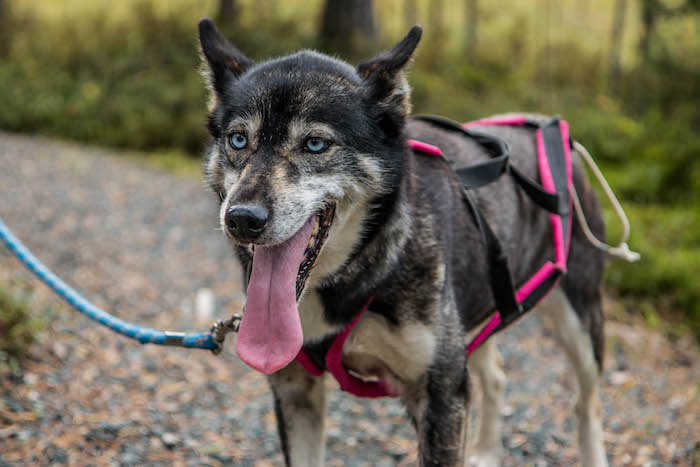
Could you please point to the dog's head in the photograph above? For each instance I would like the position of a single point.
(301, 144)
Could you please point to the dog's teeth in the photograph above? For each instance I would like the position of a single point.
(315, 231)
(311, 240)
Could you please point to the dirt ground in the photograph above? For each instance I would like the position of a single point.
(143, 244)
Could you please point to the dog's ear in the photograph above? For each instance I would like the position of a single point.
(385, 78)
(224, 62)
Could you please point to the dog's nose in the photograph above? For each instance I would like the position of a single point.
(246, 223)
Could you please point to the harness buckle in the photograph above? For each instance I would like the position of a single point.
(222, 327)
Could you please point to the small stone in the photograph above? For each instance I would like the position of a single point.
(384, 463)
(9, 432)
(205, 303)
(676, 402)
(130, 458)
(517, 440)
(55, 455)
(618, 378)
(222, 457)
(170, 440)
(60, 350)
(105, 433)
(13, 405)
(30, 379)
(23, 435)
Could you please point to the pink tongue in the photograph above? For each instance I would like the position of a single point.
(270, 335)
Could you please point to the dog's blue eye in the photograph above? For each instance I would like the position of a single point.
(316, 145)
(238, 140)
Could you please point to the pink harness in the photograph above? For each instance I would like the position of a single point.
(527, 295)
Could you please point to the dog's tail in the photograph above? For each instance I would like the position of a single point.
(622, 250)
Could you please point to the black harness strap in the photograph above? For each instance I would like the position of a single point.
(542, 198)
(478, 175)
(500, 276)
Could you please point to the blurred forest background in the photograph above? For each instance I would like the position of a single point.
(625, 73)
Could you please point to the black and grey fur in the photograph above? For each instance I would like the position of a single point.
(401, 233)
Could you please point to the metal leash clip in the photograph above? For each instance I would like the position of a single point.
(222, 327)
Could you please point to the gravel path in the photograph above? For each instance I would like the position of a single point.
(144, 243)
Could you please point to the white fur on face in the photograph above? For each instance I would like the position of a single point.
(225, 205)
(294, 204)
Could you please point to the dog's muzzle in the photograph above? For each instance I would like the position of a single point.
(247, 222)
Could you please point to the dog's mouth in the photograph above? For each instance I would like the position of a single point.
(319, 234)
(270, 334)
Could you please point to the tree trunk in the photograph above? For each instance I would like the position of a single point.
(435, 23)
(616, 35)
(228, 13)
(649, 10)
(582, 10)
(411, 13)
(472, 17)
(348, 27)
(4, 28)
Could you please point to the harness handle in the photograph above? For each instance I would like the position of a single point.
(622, 250)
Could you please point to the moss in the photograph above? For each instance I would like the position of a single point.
(664, 283)
(18, 328)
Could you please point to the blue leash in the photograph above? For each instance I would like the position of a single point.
(211, 340)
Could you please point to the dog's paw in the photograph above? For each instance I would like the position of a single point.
(484, 459)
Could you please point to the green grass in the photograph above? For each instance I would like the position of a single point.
(172, 160)
(18, 327)
(665, 281)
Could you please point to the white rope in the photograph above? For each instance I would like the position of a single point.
(622, 250)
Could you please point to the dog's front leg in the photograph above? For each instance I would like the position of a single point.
(438, 407)
(300, 406)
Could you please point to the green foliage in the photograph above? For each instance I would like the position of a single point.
(125, 84)
(18, 328)
(173, 161)
(124, 74)
(652, 158)
(667, 275)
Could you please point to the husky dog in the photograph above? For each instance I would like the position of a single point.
(327, 206)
